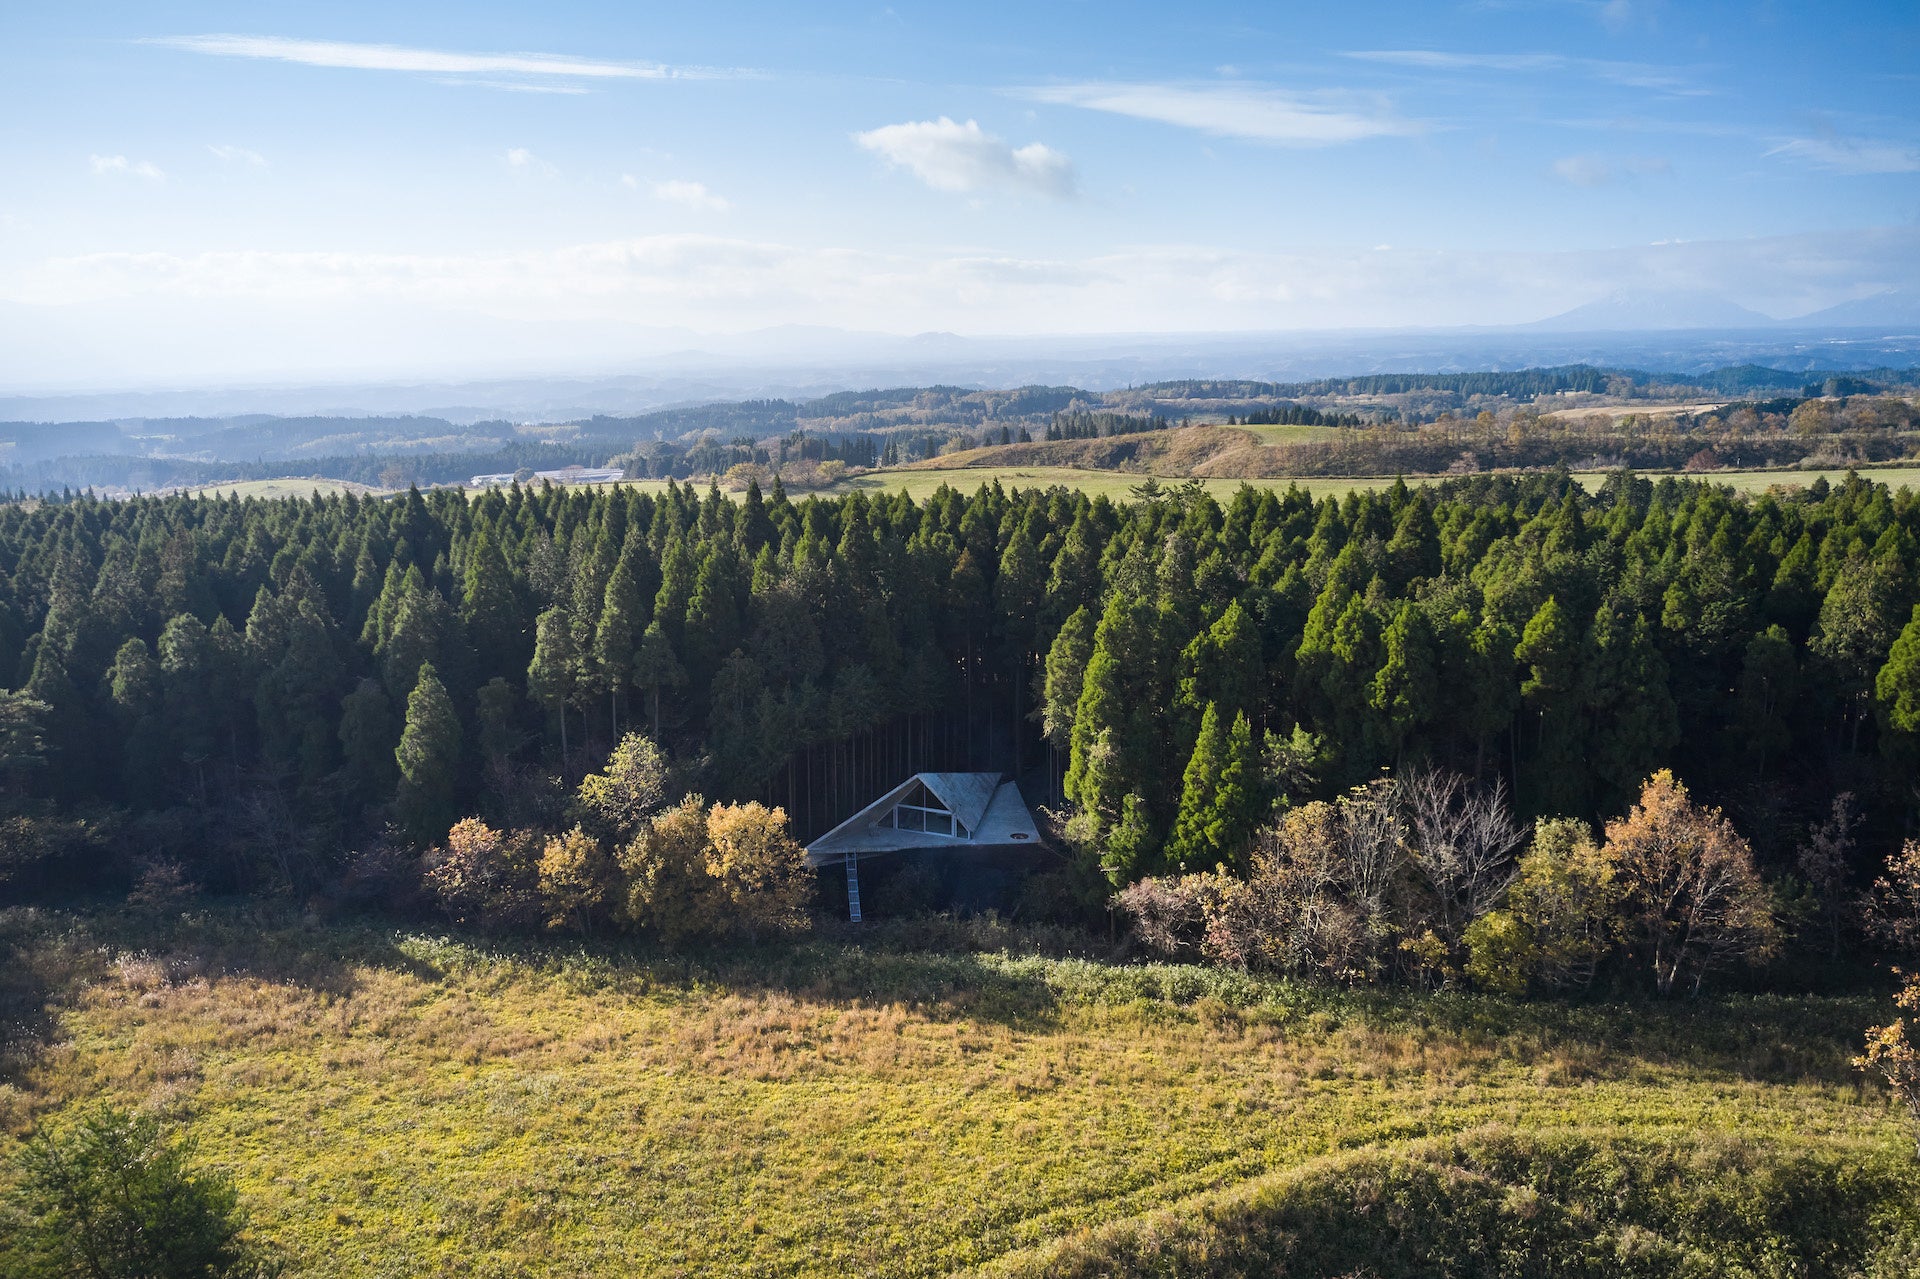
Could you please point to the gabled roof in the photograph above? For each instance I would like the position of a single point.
(991, 809)
(966, 795)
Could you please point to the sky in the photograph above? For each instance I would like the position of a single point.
(280, 189)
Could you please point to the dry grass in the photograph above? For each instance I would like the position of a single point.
(400, 1104)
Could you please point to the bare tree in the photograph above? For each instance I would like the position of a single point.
(1372, 835)
(1463, 840)
(1823, 860)
(1891, 908)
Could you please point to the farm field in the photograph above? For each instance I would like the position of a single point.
(402, 1104)
(1117, 485)
(288, 487)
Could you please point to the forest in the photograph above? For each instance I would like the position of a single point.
(290, 697)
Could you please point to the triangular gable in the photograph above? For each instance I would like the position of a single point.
(979, 804)
(965, 795)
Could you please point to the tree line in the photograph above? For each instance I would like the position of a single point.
(247, 688)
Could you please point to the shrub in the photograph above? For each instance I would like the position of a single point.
(1566, 900)
(486, 878)
(108, 1195)
(1501, 955)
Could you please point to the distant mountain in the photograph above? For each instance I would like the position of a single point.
(1892, 307)
(1631, 310)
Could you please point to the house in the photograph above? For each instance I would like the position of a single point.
(971, 814)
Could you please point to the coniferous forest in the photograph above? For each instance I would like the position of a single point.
(253, 694)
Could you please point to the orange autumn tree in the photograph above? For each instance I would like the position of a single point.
(1695, 900)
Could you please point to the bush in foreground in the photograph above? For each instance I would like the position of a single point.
(109, 1195)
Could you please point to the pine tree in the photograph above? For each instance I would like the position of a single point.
(429, 759)
(656, 667)
(1552, 693)
(490, 609)
(551, 675)
(1897, 689)
(1405, 689)
(133, 682)
(613, 638)
(1190, 846)
(367, 741)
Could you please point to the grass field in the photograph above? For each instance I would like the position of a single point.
(289, 487)
(399, 1104)
(1292, 434)
(1118, 484)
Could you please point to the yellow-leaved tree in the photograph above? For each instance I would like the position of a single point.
(730, 871)
(1694, 899)
(666, 874)
(576, 879)
(757, 870)
(1892, 1053)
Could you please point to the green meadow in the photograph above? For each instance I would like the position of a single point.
(955, 1098)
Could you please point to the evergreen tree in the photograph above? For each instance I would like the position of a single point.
(552, 675)
(429, 759)
(613, 638)
(1406, 688)
(656, 667)
(135, 686)
(367, 740)
(1552, 770)
(1190, 846)
(1897, 686)
(490, 609)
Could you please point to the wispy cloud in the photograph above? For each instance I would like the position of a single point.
(239, 155)
(692, 195)
(439, 62)
(1255, 112)
(964, 157)
(1851, 155)
(107, 164)
(1598, 170)
(1632, 75)
(737, 283)
(521, 160)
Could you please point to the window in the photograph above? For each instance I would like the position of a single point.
(920, 809)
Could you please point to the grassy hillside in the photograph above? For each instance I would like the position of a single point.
(401, 1104)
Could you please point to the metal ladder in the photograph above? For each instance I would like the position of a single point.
(853, 887)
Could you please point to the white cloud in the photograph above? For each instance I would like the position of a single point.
(105, 164)
(1597, 170)
(964, 157)
(521, 160)
(1256, 112)
(388, 57)
(693, 195)
(1633, 75)
(1851, 155)
(239, 155)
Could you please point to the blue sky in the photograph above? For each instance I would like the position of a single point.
(227, 190)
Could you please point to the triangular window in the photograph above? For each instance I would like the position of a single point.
(921, 810)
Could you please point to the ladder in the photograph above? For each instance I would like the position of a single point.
(853, 887)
